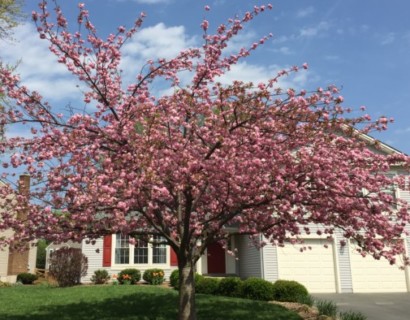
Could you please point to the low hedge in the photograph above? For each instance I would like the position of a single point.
(26, 278)
(100, 276)
(207, 285)
(154, 276)
(230, 287)
(129, 276)
(174, 279)
(256, 289)
(289, 291)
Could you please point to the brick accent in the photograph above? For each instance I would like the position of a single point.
(18, 259)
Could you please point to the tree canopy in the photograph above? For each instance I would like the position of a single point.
(10, 16)
(191, 165)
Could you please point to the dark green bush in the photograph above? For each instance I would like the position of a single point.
(290, 291)
(41, 254)
(207, 285)
(174, 279)
(67, 266)
(100, 276)
(230, 287)
(129, 276)
(26, 278)
(256, 289)
(154, 276)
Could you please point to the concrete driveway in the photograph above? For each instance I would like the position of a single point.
(376, 306)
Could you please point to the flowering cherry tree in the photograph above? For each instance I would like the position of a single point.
(187, 165)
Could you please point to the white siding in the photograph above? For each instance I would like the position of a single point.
(270, 262)
(249, 258)
(343, 255)
(94, 254)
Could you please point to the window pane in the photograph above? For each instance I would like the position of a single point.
(122, 250)
(140, 252)
(159, 251)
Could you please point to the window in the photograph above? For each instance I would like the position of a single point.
(122, 251)
(159, 251)
(140, 253)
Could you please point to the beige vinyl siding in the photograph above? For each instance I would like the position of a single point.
(313, 268)
(32, 257)
(4, 256)
(370, 275)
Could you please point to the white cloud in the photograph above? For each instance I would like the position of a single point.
(151, 43)
(332, 57)
(284, 50)
(305, 12)
(387, 38)
(37, 66)
(316, 30)
(246, 72)
(240, 41)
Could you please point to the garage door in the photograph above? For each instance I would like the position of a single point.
(370, 275)
(313, 268)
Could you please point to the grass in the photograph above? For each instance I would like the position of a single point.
(328, 308)
(124, 302)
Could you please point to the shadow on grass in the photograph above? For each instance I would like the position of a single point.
(147, 306)
(217, 307)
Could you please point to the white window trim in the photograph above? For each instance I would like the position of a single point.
(131, 264)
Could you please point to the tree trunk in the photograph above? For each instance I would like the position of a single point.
(187, 309)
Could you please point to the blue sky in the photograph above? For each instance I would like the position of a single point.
(362, 46)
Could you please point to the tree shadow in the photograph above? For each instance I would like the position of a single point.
(147, 306)
(154, 306)
(217, 307)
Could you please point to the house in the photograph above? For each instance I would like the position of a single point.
(334, 269)
(13, 262)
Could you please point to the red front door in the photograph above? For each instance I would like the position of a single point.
(216, 259)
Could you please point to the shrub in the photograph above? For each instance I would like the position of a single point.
(129, 276)
(327, 308)
(290, 291)
(154, 276)
(174, 279)
(67, 266)
(5, 284)
(207, 285)
(26, 278)
(308, 300)
(352, 315)
(256, 289)
(100, 276)
(41, 254)
(229, 287)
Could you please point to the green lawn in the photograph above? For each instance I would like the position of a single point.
(124, 302)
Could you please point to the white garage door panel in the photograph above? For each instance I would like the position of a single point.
(370, 275)
(313, 268)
